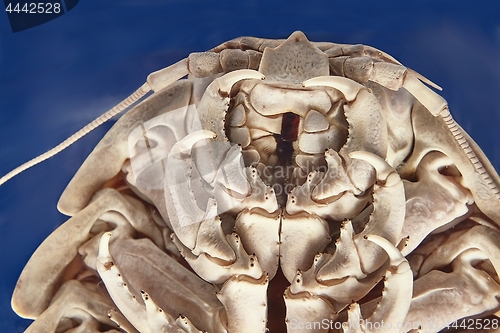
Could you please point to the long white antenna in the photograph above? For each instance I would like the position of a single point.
(137, 95)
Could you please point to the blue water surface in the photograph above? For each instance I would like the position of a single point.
(57, 77)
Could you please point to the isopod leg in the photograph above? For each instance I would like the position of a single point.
(181, 291)
(58, 258)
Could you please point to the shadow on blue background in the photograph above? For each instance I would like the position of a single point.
(25, 14)
(57, 77)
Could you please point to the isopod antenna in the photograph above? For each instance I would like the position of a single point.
(155, 82)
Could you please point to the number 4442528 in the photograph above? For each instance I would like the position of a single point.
(34, 8)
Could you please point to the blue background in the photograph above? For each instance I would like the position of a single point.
(59, 76)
